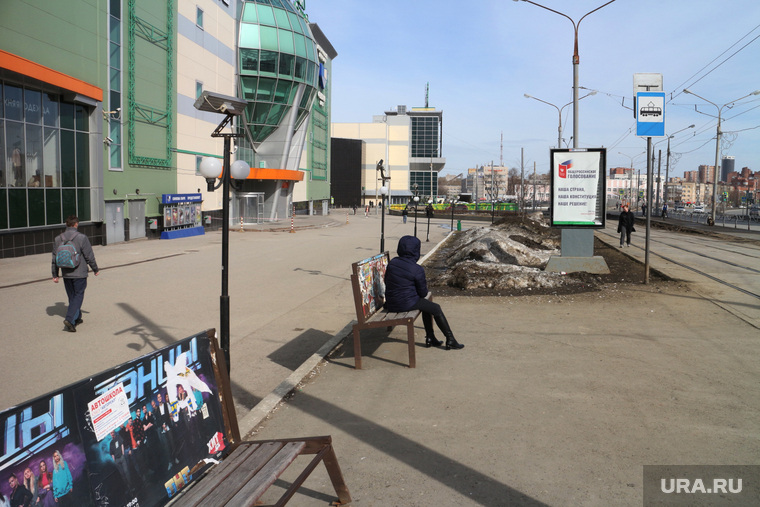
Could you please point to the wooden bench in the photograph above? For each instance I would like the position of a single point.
(367, 281)
(250, 467)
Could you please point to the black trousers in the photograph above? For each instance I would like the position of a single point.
(432, 311)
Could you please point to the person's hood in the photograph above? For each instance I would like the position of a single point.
(409, 248)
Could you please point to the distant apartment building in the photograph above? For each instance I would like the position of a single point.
(488, 183)
(706, 174)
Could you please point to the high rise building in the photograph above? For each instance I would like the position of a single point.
(727, 165)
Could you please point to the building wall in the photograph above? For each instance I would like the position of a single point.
(205, 61)
(346, 172)
(387, 140)
(51, 121)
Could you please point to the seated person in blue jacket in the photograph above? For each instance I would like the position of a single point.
(406, 289)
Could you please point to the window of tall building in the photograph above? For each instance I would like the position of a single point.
(425, 136)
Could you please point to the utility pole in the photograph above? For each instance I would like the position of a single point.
(522, 180)
(659, 165)
(534, 185)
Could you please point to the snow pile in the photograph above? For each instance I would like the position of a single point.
(511, 254)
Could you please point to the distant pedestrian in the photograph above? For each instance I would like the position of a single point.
(74, 279)
(665, 210)
(643, 210)
(405, 213)
(366, 211)
(429, 211)
(625, 226)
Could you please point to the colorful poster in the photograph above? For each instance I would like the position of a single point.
(371, 276)
(578, 187)
(42, 451)
(54, 446)
(175, 422)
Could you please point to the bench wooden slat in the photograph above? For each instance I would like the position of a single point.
(223, 491)
(275, 466)
(219, 473)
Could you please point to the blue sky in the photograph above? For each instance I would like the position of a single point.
(481, 57)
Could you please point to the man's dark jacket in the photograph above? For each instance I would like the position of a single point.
(626, 221)
(405, 280)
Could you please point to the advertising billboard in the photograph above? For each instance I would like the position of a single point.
(578, 182)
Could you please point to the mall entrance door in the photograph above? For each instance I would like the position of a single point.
(250, 207)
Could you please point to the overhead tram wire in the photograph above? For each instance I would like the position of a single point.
(680, 87)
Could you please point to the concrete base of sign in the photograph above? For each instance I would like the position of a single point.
(595, 264)
(183, 233)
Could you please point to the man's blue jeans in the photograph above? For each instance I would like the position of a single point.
(75, 288)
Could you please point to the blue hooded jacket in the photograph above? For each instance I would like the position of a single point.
(405, 280)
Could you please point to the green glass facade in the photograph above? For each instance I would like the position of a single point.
(277, 53)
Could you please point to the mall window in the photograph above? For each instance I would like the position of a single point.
(199, 17)
(44, 158)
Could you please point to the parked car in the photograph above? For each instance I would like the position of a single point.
(754, 211)
(698, 209)
(680, 207)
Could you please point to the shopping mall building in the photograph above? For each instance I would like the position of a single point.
(97, 116)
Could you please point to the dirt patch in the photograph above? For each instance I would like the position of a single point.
(509, 257)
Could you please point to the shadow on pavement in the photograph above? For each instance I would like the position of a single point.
(466, 481)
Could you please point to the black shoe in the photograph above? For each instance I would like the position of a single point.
(69, 326)
(78, 321)
(431, 341)
(451, 343)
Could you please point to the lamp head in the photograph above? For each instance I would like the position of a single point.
(383, 190)
(686, 90)
(525, 94)
(218, 103)
(211, 167)
(240, 169)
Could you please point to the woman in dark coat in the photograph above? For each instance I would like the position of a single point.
(625, 226)
(406, 289)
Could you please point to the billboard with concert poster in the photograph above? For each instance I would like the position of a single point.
(132, 436)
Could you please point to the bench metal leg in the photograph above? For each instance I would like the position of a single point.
(357, 349)
(410, 339)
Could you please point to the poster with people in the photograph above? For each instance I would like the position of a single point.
(134, 435)
(371, 276)
(43, 460)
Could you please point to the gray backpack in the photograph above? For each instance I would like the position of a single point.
(66, 255)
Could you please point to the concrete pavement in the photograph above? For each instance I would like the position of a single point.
(555, 400)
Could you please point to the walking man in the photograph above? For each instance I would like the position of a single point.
(74, 279)
(625, 226)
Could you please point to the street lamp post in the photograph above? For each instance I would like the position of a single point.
(383, 193)
(576, 61)
(575, 242)
(416, 202)
(559, 111)
(717, 145)
(230, 107)
(428, 212)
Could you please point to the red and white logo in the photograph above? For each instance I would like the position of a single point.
(563, 167)
(216, 443)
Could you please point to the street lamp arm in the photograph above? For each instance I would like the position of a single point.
(557, 12)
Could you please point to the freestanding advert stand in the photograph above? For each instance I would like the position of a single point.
(578, 182)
